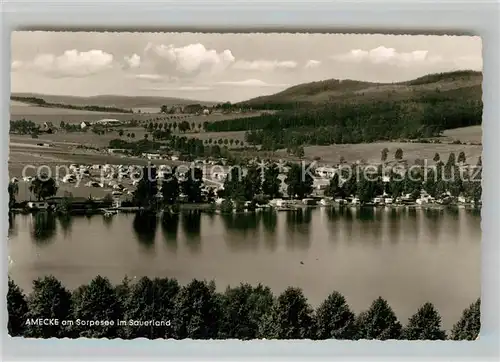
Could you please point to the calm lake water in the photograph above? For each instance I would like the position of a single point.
(406, 256)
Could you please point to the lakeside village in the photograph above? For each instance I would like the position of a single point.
(210, 186)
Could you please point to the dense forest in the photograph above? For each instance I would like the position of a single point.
(162, 308)
(420, 108)
(356, 123)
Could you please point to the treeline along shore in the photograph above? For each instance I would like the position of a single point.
(40, 102)
(162, 308)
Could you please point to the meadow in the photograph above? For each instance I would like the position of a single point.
(371, 152)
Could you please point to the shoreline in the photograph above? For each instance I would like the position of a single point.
(208, 207)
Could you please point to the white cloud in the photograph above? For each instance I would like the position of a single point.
(133, 61)
(312, 64)
(15, 65)
(188, 60)
(251, 83)
(71, 63)
(264, 65)
(383, 55)
(150, 77)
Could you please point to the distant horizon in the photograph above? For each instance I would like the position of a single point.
(223, 101)
(225, 67)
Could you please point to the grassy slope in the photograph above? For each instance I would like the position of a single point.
(455, 84)
(126, 102)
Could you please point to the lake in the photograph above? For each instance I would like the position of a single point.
(407, 256)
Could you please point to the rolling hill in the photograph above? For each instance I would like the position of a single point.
(125, 102)
(466, 84)
(346, 111)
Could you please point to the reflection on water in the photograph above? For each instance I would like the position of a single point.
(144, 226)
(407, 256)
(43, 227)
(170, 227)
(191, 226)
(66, 222)
(298, 228)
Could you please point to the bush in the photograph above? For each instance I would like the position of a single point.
(226, 206)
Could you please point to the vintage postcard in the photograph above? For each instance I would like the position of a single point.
(245, 186)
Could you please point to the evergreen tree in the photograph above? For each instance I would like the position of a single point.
(170, 188)
(271, 184)
(290, 317)
(334, 319)
(383, 156)
(234, 187)
(369, 186)
(253, 182)
(399, 154)
(17, 309)
(49, 299)
(299, 182)
(152, 300)
(379, 322)
(424, 325)
(469, 325)
(461, 157)
(147, 188)
(244, 308)
(13, 190)
(451, 160)
(197, 311)
(191, 186)
(97, 301)
(334, 189)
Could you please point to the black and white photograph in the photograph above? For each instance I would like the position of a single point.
(248, 186)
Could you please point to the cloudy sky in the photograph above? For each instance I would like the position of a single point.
(223, 67)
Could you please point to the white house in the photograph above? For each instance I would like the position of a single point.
(83, 125)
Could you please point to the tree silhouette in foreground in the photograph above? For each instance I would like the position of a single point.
(334, 319)
(425, 324)
(49, 299)
(469, 325)
(96, 301)
(244, 308)
(290, 317)
(198, 311)
(17, 308)
(379, 322)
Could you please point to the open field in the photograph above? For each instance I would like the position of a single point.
(371, 152)
(237, 135)
(465, 134)
(81, 138)
(91, 139)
